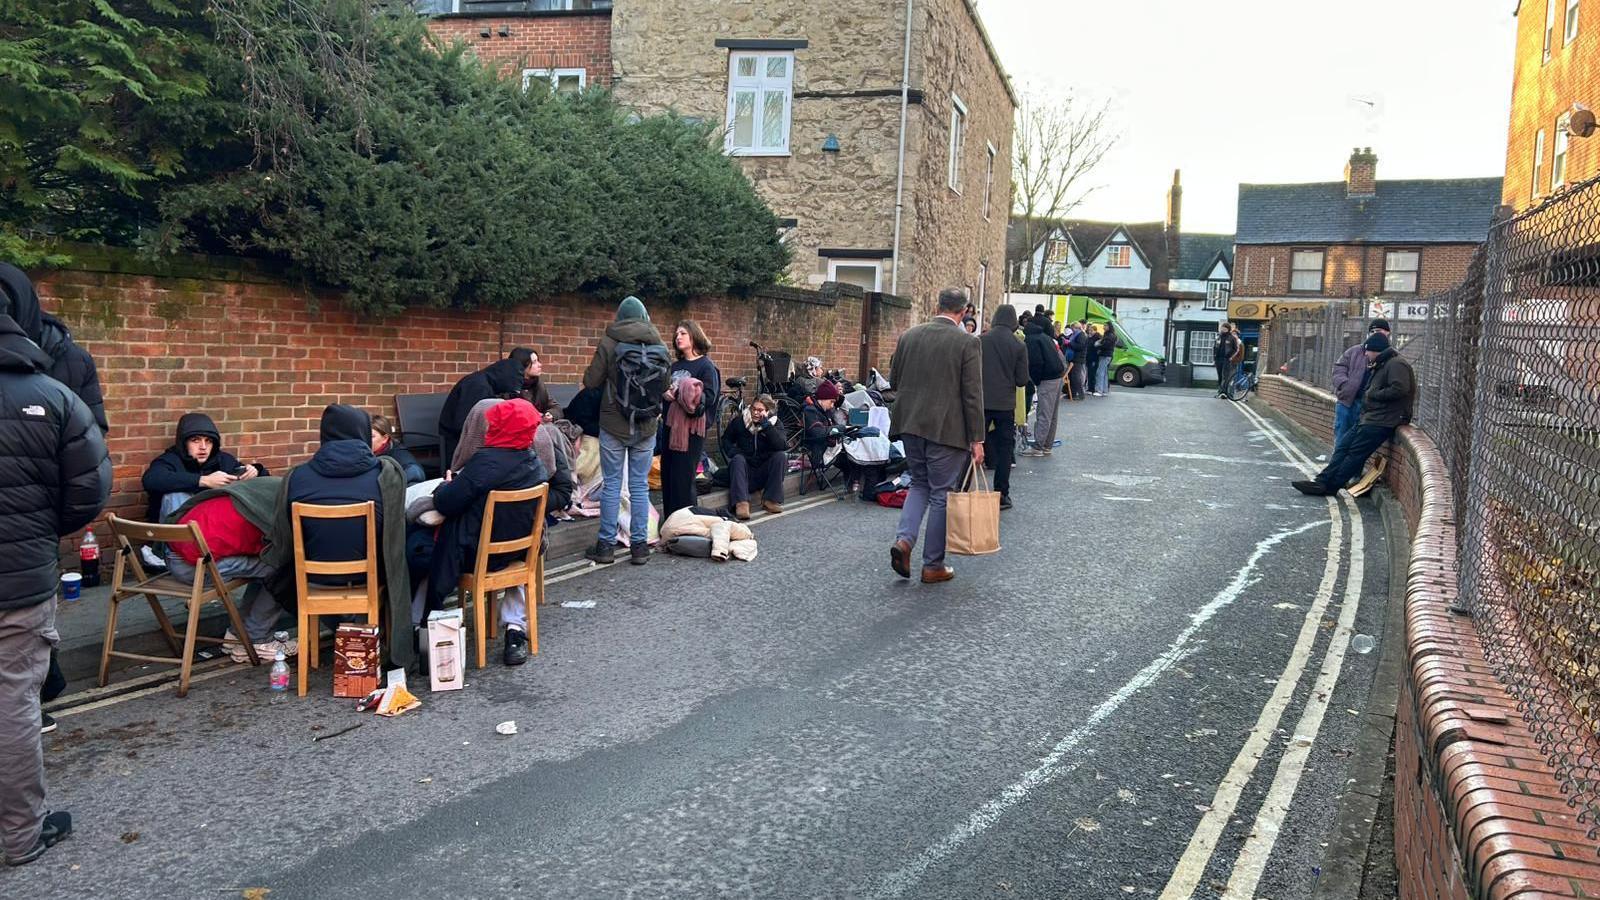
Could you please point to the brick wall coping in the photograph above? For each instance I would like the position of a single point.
(1512, 831)
(525, 14)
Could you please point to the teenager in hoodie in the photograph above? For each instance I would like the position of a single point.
(504, 464)
(195, 462)
(503, 379)
(1005, 368)
(626, 445)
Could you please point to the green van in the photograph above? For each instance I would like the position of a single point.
(1131, 364)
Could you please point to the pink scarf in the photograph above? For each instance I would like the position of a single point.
(679, 422)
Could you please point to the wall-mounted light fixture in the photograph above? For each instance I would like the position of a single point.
(505, 30)
(830, 144)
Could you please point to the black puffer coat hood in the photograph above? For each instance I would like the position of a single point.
(55, 474)
(346, 449)
(22, 302)
(198, 425)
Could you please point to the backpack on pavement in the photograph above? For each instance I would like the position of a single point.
(640, 382)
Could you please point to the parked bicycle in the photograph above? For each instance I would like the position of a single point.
(1244, 381)
(774, 371)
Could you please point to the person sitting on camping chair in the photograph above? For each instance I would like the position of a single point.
(821, 418)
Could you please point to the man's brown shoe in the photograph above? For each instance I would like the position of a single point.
(771, 507)
(936, 574)
(741, 511)
(900, 558)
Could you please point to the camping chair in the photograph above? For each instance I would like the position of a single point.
(316, 600)
(528, 573)
(130, 580)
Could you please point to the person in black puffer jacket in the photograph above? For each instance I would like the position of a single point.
(1046, 369)
(344, 470)
(55, 477)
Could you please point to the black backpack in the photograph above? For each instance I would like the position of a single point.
(640, 382)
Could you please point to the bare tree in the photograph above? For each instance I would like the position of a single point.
(1058, 143)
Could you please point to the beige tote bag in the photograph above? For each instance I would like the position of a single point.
(972, 524)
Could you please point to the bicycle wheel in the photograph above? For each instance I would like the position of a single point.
(1238, 389)
(728, 406)
(793, 420)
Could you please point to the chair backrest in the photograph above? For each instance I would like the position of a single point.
(487, 547)
(367, 565)
(417, 416)
(562, 394)
(129, 535)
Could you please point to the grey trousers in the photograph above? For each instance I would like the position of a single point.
(935, 471)
(258, 608)
(1044, 423)
(26, 636)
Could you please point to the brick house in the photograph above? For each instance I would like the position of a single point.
(1555, 85)
(1161, 281)
(809, 98)
(1362, 239)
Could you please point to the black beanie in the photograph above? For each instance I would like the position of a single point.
(1377, 343)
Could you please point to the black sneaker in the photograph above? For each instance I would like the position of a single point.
(47, 723)
(57, 826)
(602, 553)
(639, 554)
(516, 652)
(1312, 488)
(1005, 502)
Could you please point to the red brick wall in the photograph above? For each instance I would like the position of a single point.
(1542, 91)
(1349, 271)
(537, 42)
(264, 358)
(1478, 811)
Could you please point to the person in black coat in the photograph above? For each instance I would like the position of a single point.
(757, 449)
(195, 462)
(343, 470)
(504, 379)
(70, 364)
(384, 444)
(55, 477)
(1005, 368)
(504, 464)
(1046, 369)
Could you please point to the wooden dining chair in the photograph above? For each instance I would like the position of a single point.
(322, 600)
(129, 580)
(478, 584)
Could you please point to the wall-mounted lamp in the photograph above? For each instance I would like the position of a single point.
(830, 144)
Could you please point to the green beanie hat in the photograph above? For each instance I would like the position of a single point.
(632, 308)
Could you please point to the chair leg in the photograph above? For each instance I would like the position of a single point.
(491, 611)
(533, 610)
(167, 631)
(538, 577)
(111, 637)
(314, 629)
(300, 664)
(189, 632)
(480, 640)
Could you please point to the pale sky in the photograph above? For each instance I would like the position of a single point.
(1262, 91)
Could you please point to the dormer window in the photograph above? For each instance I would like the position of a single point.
(1119, 256)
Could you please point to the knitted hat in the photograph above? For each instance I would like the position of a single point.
(631, 308)
(1379, 324)
(1377, 343)
(828, 391)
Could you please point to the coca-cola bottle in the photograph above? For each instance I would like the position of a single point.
(89, 560)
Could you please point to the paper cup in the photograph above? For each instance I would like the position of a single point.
(71, 585)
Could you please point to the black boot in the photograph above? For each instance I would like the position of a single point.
(602, 553)
(1313, 488)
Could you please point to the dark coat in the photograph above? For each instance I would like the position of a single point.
(1044, 358)
(1391, 392)
(584, 411)
(1005, 361)
(462, 500)
(175, 471)
(1080, 346)
(70, 364)
(55, 474)
(343, 470)
(502, 379)
(603, 370)
(1224, 347)
(408, 464)
(757, 447)
(937, 371)
(818, 425)
(1107, 344)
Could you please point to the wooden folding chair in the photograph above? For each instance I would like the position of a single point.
(130, 580)
(529, 572)
(316, 600)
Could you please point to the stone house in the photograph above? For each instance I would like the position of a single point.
(896, 185)
(1555, 87)
(1382, 243)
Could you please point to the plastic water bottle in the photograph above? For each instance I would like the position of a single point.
(89, 560)
(1362, 643)
(279, 676)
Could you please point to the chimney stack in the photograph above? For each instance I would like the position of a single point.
(1361, 173)
(1174, 224)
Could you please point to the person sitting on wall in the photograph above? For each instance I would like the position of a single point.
(1387, 401)
(756, 447)
(384, 445)
(534, 390)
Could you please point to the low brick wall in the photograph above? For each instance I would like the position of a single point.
(264, 356)
(1478, 810)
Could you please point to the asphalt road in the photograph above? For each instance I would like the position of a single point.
(1060, 721)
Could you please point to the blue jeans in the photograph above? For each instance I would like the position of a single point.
(1350, 457)
(1344, 421)
(636, 455)
(1102, 375)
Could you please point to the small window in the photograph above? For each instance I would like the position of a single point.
(1055, 253)
(1306, 271)
(1201, 351)
(1549, 27)
(760, 95)
(1119, 256)
(1572, 21)
(561, 81)
(958, 138)
(1558, 165)
(863, 274)
(1218, 293)
(988, 183)
(1538, 162)
(1400, 271)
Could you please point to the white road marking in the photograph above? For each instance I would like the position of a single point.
(1229, 459)
(194, 679)
(1264, 836)
(1054, 765)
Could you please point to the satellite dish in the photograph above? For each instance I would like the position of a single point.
(1580, 121)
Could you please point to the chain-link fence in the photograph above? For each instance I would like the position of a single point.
(1508, 367)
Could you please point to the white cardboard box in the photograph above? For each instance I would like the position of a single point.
(446, 653)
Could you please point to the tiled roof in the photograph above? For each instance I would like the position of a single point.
(1197, 253)
(1424, 211)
